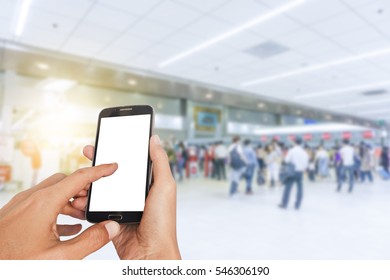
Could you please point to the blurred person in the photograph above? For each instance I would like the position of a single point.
(260, 154)
(358, 149)
(181, 159)
(252, 164)
(366, 167)
(272, 161)
(238, 164)
(211, 156)
(221, 153)
(311, 169)
(299, 158)
(201, 155)
(29, 229)
(347, 154)
(168, 147)
(322, 159)
(338, 164)
(384, 159)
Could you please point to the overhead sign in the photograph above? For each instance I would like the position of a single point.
(326, 136)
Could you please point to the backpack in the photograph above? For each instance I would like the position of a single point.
(236, 161)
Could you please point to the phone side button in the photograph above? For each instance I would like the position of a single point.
(115, 217)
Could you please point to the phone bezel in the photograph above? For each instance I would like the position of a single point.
(129, 217)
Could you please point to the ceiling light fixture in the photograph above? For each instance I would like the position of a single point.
(260, 105)
(317, 67)
(231, 33)
(339, 90)
(23, 14)
(209, 96)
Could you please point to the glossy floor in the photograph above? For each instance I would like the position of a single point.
(329, 225)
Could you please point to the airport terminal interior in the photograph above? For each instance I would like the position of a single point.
(275, 74)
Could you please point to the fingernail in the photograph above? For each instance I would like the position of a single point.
(156, 139)
(112, 229)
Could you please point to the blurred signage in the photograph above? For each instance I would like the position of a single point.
(347, 135)
(168, 122)
(276, 137)
(368, 134)
(309, 121)
(307, 137)
(292, 137)
(326, 136)
(263, 138)
(206, 119)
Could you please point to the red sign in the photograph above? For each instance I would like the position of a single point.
(326, 136)
(347, 135)
(276, 137)
(307, 137)
(368, 134)
(263, 138)
(292, 137)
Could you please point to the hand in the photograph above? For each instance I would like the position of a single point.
(155, 237)
(28, 228)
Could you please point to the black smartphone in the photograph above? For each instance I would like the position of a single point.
(123, 136)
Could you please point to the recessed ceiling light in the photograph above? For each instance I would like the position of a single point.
(328, 117)
(209, 95)
(107, 99)
(132, 82)
(299, 112)
(42, 66)
(318, 67)
(339, 90)
(260, 105)
(159, 105)
(23, 14)
(231, 33)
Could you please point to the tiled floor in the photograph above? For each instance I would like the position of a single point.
(329, 225)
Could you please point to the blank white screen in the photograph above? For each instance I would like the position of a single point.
(125, 140)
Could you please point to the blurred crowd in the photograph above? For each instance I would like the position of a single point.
(279, 164)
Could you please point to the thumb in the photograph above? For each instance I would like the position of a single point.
(91, 240)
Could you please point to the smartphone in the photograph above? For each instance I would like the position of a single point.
(123, 135)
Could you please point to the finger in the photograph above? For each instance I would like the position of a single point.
(89, 151)
(91, 239)
(52, 180)
(161, 169)
(68, 230)
(79, 180)
(80, 203)
(81, 193)
(72, 211)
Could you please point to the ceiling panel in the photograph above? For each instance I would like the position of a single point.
(113, 18)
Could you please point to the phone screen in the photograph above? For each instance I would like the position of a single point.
(124, 140)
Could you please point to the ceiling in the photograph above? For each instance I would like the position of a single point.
(314, 38)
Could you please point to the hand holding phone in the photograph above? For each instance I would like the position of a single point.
(155, 237)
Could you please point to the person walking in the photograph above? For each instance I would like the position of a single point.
(299, 159)
(220, 159)
(347, 159)
(252, 165)
(238, 164)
